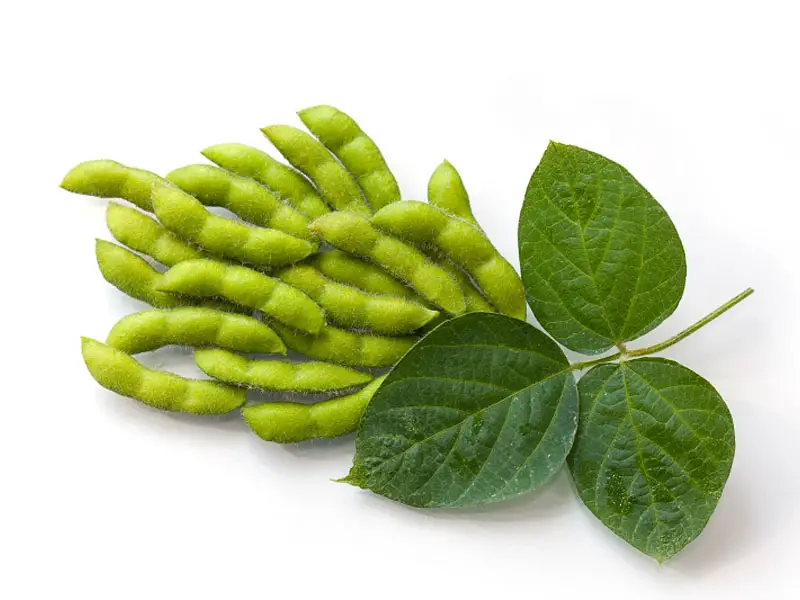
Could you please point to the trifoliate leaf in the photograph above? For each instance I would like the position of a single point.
(654, 449)
(601, 260)
(482, 409)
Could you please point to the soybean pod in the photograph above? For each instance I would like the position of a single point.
(307, 155)
(132, 275)
(287, 422)
(349, 270)
(190, 326)
(244, 197)
(146, 235)
(340, 134)
(110, 179)
(354, 309)
(135, 277)
(463, 243)
(475, 301)
(256, 164)
(276, 375)
(119, 372)
(184, 215)
(280, 302)
(356, 235)
(446, 191)
(347, 347)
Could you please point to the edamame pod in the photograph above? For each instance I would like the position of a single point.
(185, 216)
(133, 275)
(276, 375)
(286, 422)
(355, 234)
(119, 372)
(244, 197)
(464, 244)
(354, 309)
(307, 155)
(340, 134)
(110, 179)
(349, 270)
(475, 301)
(347, 347)
(287, 183)
(446, 191)
(190, 326)
(146, 235)
(246, 287)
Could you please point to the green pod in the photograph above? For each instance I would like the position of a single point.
(349, 270)
(244, 197)
(446, 191)
(110, 179)
(463, 243)
(119, 372)
(146, 235)
(307, 155)
(347, 347)
(185, 216)
(277, 375)
(287, 422)
(191, 326)
(280, 302)
(355, 309)
(475, 300)
(340, 134)
(355, 235)
(132, 275)
(288, 184)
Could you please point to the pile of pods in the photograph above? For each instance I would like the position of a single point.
(326, 261)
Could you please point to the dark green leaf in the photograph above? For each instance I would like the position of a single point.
(601, 260)
(653, 452)
(482, 409)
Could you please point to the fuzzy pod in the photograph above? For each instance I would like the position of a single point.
(192, 326)
(119, 372)
(356, 235)
(288, 422)
(425, 225)
(307, 155)
(340, 134)
(132, 275)
(475, 300)
(355, 309)
(244, 197)
(288, 184)
(144, 234)
(186, 216)
(276, 375)
(110, 179)
(282, 303)
(446, 191)
(349, 270)
(349, 348)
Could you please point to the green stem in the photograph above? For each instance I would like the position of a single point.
(669, 342)
(597, 361)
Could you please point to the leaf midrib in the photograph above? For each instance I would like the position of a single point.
(471, 415)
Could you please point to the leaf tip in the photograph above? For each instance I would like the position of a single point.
(351, 478)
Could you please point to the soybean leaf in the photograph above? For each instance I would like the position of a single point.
(601, 260)
(482, 409)
(654, 449)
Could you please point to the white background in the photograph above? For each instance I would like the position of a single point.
(101, 497)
